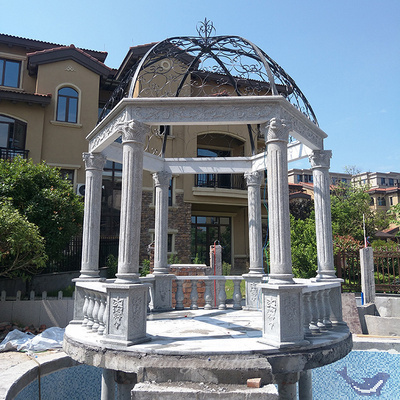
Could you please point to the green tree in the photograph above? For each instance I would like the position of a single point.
(22, 250)
(39, 193)
(349, 204)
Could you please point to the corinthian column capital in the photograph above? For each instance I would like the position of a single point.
(94, 161)
(162, 178)
(133, 131)
(278, 130)
(320, 158)
(253, 178)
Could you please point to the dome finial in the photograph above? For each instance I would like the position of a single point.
(205, 29)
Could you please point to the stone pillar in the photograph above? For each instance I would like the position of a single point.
(94, 163)
(320, 161)
(133, 136)
(287, 386)
(161, 181)
(305, 385)
(278, 203)
(107, 385)
(256, 272)
(253, 180)
(367, 274)
(125, 383)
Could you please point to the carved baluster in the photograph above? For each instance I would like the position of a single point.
(307, 313)
(102, 310)
(221, 295)
(208, 295)
(314, 314)
(327, 308)
(237, 295)
(149, 298)
(96, 309)
(179, 297)
(321, 311)
(85, 308)
(90, 322)
(194, 296)
(105, 316)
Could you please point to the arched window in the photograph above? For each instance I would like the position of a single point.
(67, 105)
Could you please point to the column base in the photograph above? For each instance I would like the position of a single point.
(280, 279)
(127, 278)
(89, 275)
(323, 276)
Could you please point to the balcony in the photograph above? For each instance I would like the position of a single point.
(10, 154)
(221, 181)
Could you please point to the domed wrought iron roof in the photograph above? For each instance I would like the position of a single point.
(208, 65)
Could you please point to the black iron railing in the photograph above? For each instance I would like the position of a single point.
(9, 154)
(72, 255)
(222, 181)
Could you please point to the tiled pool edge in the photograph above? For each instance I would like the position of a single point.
(21, 375)
(378, 343)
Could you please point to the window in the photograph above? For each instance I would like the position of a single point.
(9, 73)
(371, 203)
(382, 181)
(67, 105)
(299, 178)
(68, 174)
(207, 230)
(391, 182)
(344, 180)
(381, 201)
(391, 200)
(12, 137)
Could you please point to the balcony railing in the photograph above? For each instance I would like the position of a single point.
(10, 154)
(221, 181)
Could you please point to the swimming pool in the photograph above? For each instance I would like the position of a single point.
(359, 375)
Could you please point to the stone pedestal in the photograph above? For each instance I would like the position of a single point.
(162, 293)
(283, 315)
(367, 274)
(126, 314)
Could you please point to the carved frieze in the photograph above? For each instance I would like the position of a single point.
(270, 310)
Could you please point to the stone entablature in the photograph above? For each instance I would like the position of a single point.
(205, 111)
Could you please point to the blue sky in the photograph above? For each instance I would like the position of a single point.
(343, 54)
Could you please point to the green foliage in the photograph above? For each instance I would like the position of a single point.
(382, 245)
(304, 247)
(197, 259)
(145, 267)
(226, 268)
(22, 249)
(345, 243)
(112, 266)
(174, 259)
(47, 200)
(349, 204)
(394, 214)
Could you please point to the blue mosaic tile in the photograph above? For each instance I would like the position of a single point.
(359, 375)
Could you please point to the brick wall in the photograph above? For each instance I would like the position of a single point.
(179, 219)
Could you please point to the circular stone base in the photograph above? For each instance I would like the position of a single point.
(206, 346)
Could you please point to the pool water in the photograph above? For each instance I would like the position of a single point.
(359, 375)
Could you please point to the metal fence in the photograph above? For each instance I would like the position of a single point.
(71, 257)
(386, 270)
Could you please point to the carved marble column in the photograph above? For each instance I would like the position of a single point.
(278, 203)
(320, 161)
(161, 180)
(256, 272)
(133, 136)
(94, 163)
(253, 180)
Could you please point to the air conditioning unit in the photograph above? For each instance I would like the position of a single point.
(80, 189)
